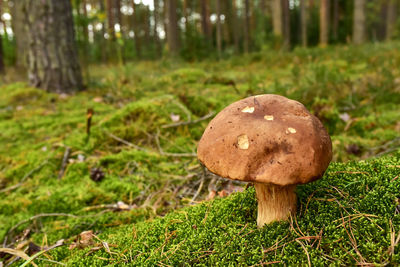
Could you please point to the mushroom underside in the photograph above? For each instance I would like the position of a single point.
(275, 203)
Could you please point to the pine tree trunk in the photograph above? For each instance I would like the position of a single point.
(2, 68)
(205, 20)
(146, 24)
(186, 15)
(155, 31)
(117, 12)
(110, 19)
(359, 22)
(85, 25)
(391, 19)
(172, 27)
(277, 18)
(246, 28)
(235, 26)
(52, 55)
(335, 22)
(103, 41)
(218, 32)
(19, 33)
(303, 22)
(137, 39)
(324, 23)
(286, 24)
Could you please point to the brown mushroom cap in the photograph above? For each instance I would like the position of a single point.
(266, 139)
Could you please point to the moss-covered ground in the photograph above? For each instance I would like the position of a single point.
(147, 120)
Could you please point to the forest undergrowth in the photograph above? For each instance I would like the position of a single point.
(125, 186)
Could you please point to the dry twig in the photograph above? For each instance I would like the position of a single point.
(64, 162)
(35, 217)
(305, 249)
(26, 176)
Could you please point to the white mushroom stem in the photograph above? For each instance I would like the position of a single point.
(275, 203)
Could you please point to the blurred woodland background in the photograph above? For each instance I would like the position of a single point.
(117, 31)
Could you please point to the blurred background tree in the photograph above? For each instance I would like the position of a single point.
(117, 31)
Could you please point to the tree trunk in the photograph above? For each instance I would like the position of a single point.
(235, 26)
(172, 27)
(2, 69)
(359, 22)
(155, 31)
(246, 28)
(165, 19)
(52, 55)
(324, 23)
(391, 19)
(103, 32)
(218, 32)
(136, 31)
(286, 24)
(335, 22)
(110, 19)
(186, 15)
(263, 6)
(205, 19)
(19, 33)
(277, 18)
(85, 25)
(303, 22)
(117, 12)
(146, 24)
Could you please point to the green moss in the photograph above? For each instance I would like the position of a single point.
(344, 218)
(135, 102)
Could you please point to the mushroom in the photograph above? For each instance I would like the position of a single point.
(271, 141)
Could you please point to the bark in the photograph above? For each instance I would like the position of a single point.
(324, 22)
(218, 32)
(19, 33)
(146, 24)
(205, 19)
(303, 22)
(103, 32)
(110, 19)
(359, 22)
(246, 28)
(165, 19)
(391, 19)
(263, 6)
(235, 26)
(2, 68)
(117, 12)
(52, 54)
(277, 18)
(286, 24)
(155, 31)
(185, 15)
(85, 26)
(172, 27)
(335, 22)
(136, 31)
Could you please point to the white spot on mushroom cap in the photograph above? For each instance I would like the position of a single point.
(243, 141)
(290, 130)
(248, 109)
(269, 117)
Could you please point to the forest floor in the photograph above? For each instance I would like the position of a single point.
(133, 192)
